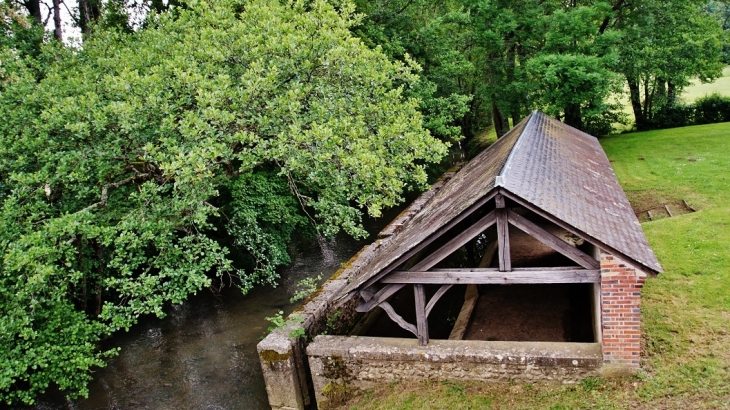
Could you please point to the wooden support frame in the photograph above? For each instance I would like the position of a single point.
(435, 298)
(460, 240)
(398, 319)
(491, 276)
(559, 245)
(429, 239)
(373, 300)
(419, 292)
(505, 261)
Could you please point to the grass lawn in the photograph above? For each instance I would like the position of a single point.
(685, 310)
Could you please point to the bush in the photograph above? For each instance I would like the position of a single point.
(676, 115)
(712, 109)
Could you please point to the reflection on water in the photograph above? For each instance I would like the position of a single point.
(203, 354)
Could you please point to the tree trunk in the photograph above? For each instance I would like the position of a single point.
(573, 115)
(635, 96)
(34, 9)
(671, 93)
(58, 30)
(88, 14)
(501, 125)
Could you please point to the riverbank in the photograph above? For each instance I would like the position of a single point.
(685, 311)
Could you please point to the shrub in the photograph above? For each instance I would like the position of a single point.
(712, 109)
(675, 115)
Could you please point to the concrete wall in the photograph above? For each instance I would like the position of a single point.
(621, 285)
(340, 365)
(281, 353)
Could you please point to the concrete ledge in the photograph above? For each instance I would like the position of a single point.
(341, 364)
(586, 355)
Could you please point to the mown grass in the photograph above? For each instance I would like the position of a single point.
(685, 310)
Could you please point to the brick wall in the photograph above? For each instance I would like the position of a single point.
(621, 285)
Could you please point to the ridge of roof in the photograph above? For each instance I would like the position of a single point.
(500, 179)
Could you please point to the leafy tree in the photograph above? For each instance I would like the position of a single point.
(664, 44)
(433, 34)
(143, 164)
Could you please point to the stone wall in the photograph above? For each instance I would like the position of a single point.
(621, 285)
(340, 365)
(282, 352)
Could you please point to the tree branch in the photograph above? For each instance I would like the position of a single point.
(105, 190)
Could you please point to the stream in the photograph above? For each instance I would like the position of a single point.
(203, 354)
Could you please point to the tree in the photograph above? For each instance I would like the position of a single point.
(144, 164)
(435, 35)
(663, 45)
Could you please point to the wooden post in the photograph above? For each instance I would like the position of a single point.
(421, 318)
(505, 263)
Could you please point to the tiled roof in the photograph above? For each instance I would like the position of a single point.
(552, 166)
(564, 172)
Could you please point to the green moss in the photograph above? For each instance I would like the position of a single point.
(336, 394)
(271, 356)
(340, 388)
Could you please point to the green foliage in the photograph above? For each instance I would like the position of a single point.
(278, 322)
(432, 34)
(18, 33)
(712, 109)
(567, 59)
(664, 44)
(138, 168)
(305, 287)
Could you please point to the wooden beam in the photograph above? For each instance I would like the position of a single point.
(538, 269)
(435, 298)
(397, 318)
(378, 298)
(505, 262)
(570, 228)
(419, 292)
(688, 207)
(499, 201)
(447, 249)
(423, 243)
(494, 277)
(462, 321)
(532, 229)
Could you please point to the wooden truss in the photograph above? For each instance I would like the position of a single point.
(422, 273)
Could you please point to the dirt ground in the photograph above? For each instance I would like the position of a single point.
(556, 313)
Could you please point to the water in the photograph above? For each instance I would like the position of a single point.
(203, 354)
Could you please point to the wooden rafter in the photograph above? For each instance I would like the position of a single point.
(460, 240)
(559, 245)
(423, 243)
